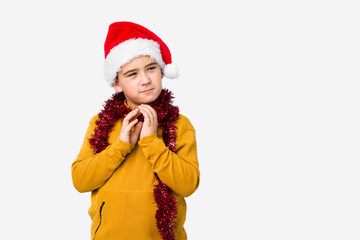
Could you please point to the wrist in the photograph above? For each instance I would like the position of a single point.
(148, 138)
(124, 139)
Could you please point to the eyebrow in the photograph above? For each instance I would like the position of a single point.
(133, 70)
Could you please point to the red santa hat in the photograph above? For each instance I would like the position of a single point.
(126, 41)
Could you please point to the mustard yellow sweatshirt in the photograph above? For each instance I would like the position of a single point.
(121, 179)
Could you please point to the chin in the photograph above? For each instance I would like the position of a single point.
(150, 100)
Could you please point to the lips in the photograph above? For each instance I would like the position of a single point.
(147, 91)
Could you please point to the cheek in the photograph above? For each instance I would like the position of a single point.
(129, 84)
(128, 90)
(157, 78)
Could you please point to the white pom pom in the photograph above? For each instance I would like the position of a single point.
(171, 71)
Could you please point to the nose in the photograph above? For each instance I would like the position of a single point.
(145, 79)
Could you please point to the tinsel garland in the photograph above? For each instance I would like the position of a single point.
(114, 109)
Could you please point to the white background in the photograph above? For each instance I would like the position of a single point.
(272, 88)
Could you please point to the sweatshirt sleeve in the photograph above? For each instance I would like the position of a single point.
(90, 171)
(180, 170)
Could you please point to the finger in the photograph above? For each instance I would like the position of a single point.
(125, 132)
(152, 114)
(147, 117)
(133, 114)
(149, 107)
(132, 124)
(137, 130)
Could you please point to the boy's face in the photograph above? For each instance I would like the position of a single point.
(140, 80)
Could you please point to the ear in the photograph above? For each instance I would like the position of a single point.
(117, 86)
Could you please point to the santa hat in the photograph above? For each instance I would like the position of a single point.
(126, 41)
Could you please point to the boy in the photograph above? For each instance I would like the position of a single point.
(138, 141)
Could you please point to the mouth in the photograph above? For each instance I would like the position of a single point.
(147, 91)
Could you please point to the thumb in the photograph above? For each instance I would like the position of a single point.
(137, 129)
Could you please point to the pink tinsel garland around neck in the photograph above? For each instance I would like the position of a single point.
(114, 109)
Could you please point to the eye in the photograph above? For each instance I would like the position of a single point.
(131, 74)
(151, 68)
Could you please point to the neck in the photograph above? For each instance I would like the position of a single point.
(132, 106)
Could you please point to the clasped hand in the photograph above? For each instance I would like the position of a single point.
(141, 129)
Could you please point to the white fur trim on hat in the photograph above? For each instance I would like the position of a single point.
(171, 71)
(127, 51)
